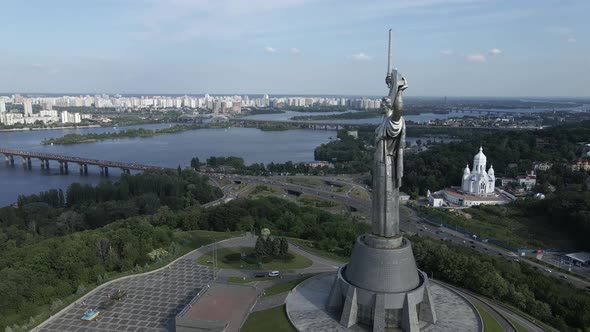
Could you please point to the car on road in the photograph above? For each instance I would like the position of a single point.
(563, 276)
(260, 274)
(274, 273)
(548, 270)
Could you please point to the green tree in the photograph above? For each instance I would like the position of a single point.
(260, 247)
(284, 247)
(276, 247)
(69, 222)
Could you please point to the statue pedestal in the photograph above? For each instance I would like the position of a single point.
(382, 287)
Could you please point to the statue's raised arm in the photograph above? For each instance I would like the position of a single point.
(398, 104)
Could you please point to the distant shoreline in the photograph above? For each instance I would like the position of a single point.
(50, 128)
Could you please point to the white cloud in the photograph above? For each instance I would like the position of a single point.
(476, 57)
(295, 50)
(571, 40)
(495, 51)
(360, 57)
(269, 49)
(447, 52)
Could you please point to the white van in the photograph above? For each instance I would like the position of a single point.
(273, 273)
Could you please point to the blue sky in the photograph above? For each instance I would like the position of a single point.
(443, 47)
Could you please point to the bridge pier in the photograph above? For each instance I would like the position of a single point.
(126, 170)
(9, 159)
(104, 170)
(42, 163)
(63, 167)
(83, 169)
(47, 163)
(26, 162)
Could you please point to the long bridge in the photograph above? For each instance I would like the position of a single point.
(64, 160)
(327, 125)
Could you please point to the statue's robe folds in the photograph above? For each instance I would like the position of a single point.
(387, 176)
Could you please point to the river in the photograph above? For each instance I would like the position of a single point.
(418, 118)
(286, 116)
(165, 150)
(171, 150)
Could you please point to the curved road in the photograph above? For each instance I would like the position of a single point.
(499, 311)
(410, 222)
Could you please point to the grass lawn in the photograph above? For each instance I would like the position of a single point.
(519, 327)
(224, 181)
(360, 193)
(239, 187)
(299, 262)
(490, 324)
(263, 190)
(270, 320)
(314, 201)
(306, 182)
(284, 287)
(308, 246)
(343, 189)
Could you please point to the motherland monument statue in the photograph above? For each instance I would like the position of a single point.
(381, 285)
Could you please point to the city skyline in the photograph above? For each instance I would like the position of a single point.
(463, 48)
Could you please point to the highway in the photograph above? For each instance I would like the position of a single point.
(410, 222)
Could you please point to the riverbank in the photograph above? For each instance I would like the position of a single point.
(359, 115)
(130, 133)
(49, 128)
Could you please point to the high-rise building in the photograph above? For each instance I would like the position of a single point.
(64, 117)
(28, 107)
(236, 107)
(217, 106)
(2, 106)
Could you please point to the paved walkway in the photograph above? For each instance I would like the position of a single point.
(154, 299)
(272, 301)
(152, 302)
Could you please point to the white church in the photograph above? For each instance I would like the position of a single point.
(478, 186)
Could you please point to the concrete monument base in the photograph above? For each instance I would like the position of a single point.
(382, 287)
(306, 309)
